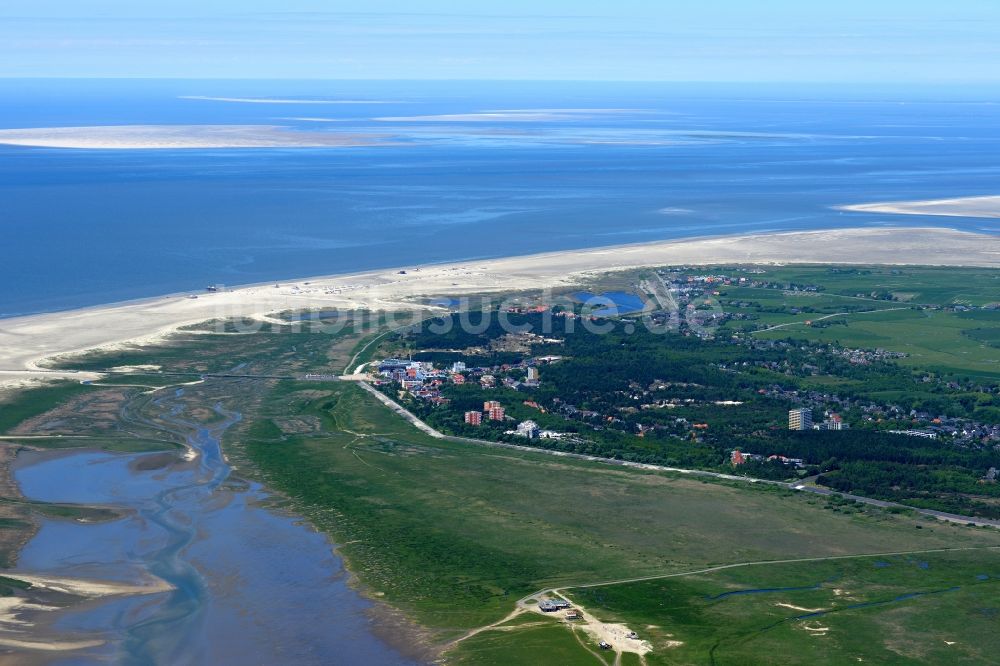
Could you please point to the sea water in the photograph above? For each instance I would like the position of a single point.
(551, 167)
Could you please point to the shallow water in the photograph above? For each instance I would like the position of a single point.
(616, 302)
(96, 226)
(253, 586)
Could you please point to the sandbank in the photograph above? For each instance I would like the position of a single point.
(988, 206)
(26, 341)
(145, 137)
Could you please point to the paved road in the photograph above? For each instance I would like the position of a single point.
(426, 428)
(797, 486)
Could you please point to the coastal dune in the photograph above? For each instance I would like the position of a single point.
(26, 341)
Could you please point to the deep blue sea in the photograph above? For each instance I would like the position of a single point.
(555, 166)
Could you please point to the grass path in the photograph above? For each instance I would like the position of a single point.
(525, 604)
(835, 314)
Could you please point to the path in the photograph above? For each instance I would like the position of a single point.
(835, 314)
(618, 632)
(354, 359)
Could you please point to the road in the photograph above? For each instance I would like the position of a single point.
(796, 486)
(354, 359)
(428, 429)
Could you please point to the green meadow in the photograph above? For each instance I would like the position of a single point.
(937, 608)
(919, 320)
(453, 534)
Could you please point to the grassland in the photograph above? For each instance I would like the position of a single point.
(909, 310)
(935, 608)
(454, 534)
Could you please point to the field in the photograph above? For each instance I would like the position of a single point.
(932, 608)
(945, 339)
(454, 534)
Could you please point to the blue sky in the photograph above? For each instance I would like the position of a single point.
(843, 41)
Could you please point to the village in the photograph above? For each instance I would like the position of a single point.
(422, 381)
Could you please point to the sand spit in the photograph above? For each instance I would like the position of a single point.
(92, 589)
(26, 341)
(278, 100)
(21, 633)
(164, 137)
(961, 207)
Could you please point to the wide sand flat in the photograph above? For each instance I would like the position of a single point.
(24, 341)
(961, 207)
(144, 137)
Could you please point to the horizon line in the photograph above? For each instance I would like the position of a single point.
(969, 83)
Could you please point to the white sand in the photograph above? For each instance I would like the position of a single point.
(616, 635)
(25, 341)
(48, 645)
(961, 207)
(85, 587)
(274, 100)
(21, 634)
(139, 137)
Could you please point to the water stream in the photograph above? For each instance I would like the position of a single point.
(252, 585)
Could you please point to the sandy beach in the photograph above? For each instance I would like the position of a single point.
(960, 207)
(145, 137)
(26, 341)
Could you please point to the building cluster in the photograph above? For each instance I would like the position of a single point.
(683, 282)
(867, 356)
(737, 458)
(801, 418)
(913, 422)
(492, 411)
(422, 380)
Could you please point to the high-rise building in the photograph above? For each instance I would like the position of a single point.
(474, 418)
(491, 404)
(532, 374)
(496, 413)
(800, 419)
(528, 429)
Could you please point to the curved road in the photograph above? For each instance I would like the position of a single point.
(800, 487)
